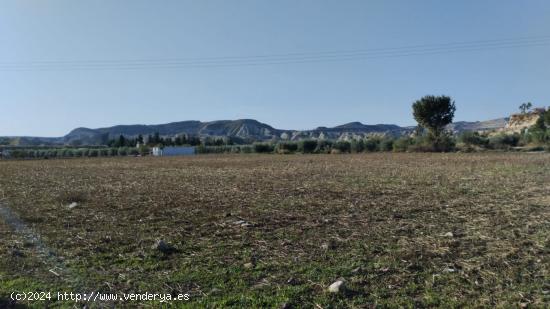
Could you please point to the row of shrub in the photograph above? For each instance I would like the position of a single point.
(316, 146)
(77, 152)
(202, 149)
(529, 140)
(467, 141)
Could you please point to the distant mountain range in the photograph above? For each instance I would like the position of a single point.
(246, 129)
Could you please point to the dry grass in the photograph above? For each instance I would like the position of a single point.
(377, 220)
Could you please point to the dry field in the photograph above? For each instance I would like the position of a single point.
(412, 230)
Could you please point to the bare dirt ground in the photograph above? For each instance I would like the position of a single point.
(413, 230)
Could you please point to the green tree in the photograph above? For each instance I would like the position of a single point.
(525, 107)
(357, 146)
(111, 143)
(286, 147)
(386, 144)
(194, 141)
(540, 124)
(323, 146)
(539, 132)
(144, 150)
(372, 144)
(121, 141)
(434, 113)
(130, 142)
(262, 147)
(342, 146)
(177, 140)
(307, 146)
(123, 151)
(402, 144)
(184, 140)
(546, 117)
(473, 139)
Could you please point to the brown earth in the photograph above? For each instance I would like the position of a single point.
(265, 230)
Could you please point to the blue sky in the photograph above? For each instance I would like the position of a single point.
(485, 84)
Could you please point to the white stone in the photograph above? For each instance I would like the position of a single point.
(336, 287)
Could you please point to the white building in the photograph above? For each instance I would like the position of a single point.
(173, 151)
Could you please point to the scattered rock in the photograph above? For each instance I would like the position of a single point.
(337, 287)
(449, 234)
(164, 247)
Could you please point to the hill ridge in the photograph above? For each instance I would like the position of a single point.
(246, 129)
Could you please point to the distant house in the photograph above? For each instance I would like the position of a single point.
(173, 151)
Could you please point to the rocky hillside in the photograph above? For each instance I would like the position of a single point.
(243, 128)
(476, 126)
(519, 122)
(350, 131)
(247, 129)
(252, 130)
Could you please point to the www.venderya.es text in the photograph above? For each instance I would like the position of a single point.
(97, 297)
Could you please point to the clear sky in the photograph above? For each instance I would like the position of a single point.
(486, 83)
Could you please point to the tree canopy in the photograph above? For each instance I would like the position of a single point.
(434, 112)
(525, 107)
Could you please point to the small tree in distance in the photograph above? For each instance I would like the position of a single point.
(525, 107)
(434, 113)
